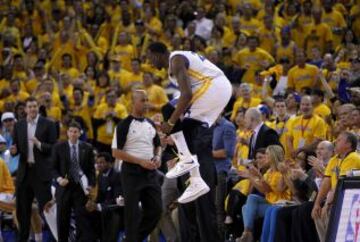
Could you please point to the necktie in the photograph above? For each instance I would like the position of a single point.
(74, 168)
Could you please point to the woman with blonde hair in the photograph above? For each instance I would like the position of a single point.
(272, 184)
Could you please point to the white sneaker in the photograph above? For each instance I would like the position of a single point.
(196, 189)
(184, 165)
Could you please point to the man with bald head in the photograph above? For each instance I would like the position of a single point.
(324, 152)
(307, 129)
(137, 144)
(262, 136)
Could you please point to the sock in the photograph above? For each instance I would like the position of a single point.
(180, 143)
(195, 172)
(38, 237)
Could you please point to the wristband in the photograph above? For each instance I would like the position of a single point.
(170, 123)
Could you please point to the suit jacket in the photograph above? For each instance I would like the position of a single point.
(62, 160)
(266, 136)
(46, 134)
(109, 188)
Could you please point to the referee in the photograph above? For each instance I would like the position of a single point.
(138, 145)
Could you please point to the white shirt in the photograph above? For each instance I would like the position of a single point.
(31, 129)
(281, 86)
(204, 27)
(255, 134)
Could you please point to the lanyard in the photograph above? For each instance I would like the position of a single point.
(281, 131)
(338, 165)
(303, 127)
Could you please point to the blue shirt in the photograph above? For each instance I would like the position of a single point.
(224, 138)
(8, 137)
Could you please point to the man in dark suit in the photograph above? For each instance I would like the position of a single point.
(109, 203)
(73, 162)
(33, 140)
(262, 136)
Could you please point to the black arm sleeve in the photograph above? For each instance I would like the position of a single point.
(122, 130)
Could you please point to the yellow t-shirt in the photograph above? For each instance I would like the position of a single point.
(121, 77)
(305, 131)
(72, 72)
(22, 96)
(298, 35)
(334, 20)
(6, 182)
(317, 36)
(337, 167)
(125, 53)
(54, 113)
(268, 38)
(286, 51)
(241, 150)
(1, 105)
(20, 75)
(244, 185)
(240, 103)
(134, 78)
(155, 24)
(230, 37)
(273, 178)
(322, 110)
(84, 112)
(255, 4)
(157, 97)
(106, 130)
(31, 85)
(299, 78)
(253, 60)
(305, 20)
(4, 84)
(250, 26)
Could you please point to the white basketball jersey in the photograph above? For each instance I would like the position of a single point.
(200, 69)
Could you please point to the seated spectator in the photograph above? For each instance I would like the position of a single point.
(109, 201)
(12, 162)
(7, 126)
(346, 158)
(238, 194)
(271, 184)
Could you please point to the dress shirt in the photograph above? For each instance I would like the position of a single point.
(255, 134)
(76, 148)
(31, 129)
